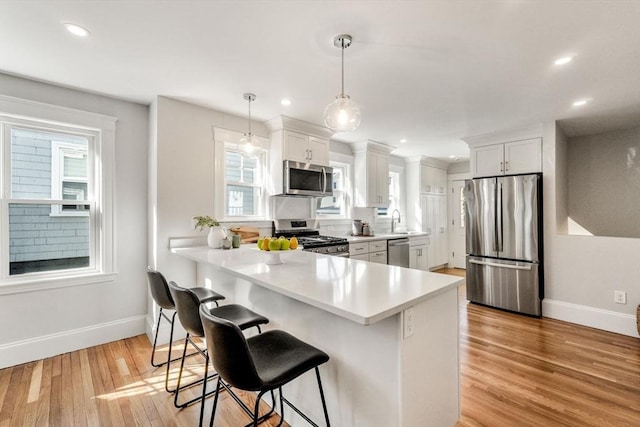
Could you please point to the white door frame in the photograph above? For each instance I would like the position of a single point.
(450, 210)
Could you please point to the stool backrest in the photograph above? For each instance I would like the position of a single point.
(159, 289)
(228, 350)
(187, 306)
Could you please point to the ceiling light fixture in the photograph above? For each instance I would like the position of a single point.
(403, 141)
(76, 29)
(343, 114)
(249, 141)
(286, 102)
(580, 102)
(563, 60)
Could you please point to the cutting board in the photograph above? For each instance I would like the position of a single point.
(247, 234)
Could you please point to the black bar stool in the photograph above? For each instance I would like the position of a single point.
(160, 293)
(261, 363)
(187, 307)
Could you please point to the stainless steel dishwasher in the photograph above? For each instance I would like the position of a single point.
(398, 252)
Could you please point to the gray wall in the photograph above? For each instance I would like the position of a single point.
(604, 182)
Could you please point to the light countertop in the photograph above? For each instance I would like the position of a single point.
(360, 291)
(386, 236)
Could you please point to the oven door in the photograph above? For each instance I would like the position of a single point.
(304, 179)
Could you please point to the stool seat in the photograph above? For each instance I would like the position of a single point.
(240, 315)
(206, 294)
(280, 357)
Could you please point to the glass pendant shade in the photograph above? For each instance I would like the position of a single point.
(343, 114)
(249, 142)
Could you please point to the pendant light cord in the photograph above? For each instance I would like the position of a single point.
(342, 49)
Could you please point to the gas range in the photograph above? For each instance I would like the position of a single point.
(306, 231)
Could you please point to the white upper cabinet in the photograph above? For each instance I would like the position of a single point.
(433, 180)
(371, 174)
(506, 153)
(303, 148)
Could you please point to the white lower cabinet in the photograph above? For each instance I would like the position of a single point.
(434, 211)
(375, 251)
(418, 253)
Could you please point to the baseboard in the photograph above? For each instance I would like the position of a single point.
(165, 329)
(611, 321)
(25, 351)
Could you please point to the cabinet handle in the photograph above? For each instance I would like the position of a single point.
(501, 166)
(506, 166)
(310, 154)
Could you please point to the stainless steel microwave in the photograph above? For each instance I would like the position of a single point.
(304, 179)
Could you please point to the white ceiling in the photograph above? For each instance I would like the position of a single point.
(432, 72)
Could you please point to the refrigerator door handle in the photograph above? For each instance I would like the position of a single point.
(495, 264)
(499, 219)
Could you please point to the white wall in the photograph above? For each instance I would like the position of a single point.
(181, 179)
(582, 272)
(39, 324)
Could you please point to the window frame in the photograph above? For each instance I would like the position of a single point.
(345, 165)
(48, 117)
(228, 139)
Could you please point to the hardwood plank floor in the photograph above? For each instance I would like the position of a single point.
(515, 371)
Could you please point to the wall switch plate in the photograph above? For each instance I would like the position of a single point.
(407, 322)
(620, 297)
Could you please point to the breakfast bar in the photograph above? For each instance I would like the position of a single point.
(391, 332)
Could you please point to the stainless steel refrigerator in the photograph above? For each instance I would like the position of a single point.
(504, 242)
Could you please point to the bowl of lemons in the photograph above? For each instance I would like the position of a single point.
(274, 246)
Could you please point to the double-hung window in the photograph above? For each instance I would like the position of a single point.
(394, 195)
(55, 206)
(335, 206)
(241, 177)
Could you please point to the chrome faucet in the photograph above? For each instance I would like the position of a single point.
(393, 220)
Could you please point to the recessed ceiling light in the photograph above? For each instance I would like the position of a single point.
(403, 140)
(452, 156)
(580, 102)
(286, 102)
(76, 29)
(563, 60)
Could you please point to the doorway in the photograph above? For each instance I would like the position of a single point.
(457, 230)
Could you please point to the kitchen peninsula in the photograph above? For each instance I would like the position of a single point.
(391, 332)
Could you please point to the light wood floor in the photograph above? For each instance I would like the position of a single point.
(515, 371)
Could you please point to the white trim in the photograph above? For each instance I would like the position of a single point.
(37, 348)
(598, 318)
(510, 135)
(21, 284)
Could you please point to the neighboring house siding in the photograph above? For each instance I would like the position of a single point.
(35, 235)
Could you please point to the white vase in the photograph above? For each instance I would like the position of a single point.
(215, 236)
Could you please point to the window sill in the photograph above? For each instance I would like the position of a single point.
(21, 285)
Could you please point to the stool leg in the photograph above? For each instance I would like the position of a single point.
(324, 404)
(169, 360)
(281, 407)
(184, 354)
(215, 402)
(155, 340)
(204, 388)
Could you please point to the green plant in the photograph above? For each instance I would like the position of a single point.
(205, 221)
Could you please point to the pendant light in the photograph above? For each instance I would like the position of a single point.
(249, 141)
(343, 114)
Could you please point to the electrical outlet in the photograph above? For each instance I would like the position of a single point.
(620, 297)
(407, 316)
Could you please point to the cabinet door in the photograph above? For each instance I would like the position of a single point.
(378, 257)
(440, 182)
(318, 151)
(523, 156)
(413, 257)
(488, 160)
(426, 179)
(383, 179)
(421, 257)
(295, 147)
(443, 222)
(361, 257)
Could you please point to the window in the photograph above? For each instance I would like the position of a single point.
(243, 178)
(394, 194)
(69, 179)
(55, 207)
(335, 206)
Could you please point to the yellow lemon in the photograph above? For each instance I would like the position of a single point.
(293, 243)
